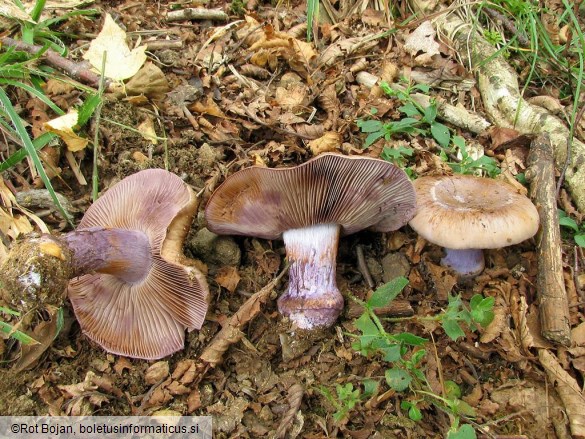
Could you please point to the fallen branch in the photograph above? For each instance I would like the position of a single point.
(554, 306)
(568, 390)
(295, 397)
(504, 104)
(231, 332)
(197, 14)
(77, 70)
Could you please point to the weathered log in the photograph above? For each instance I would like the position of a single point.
(500, 92)
(554, 306)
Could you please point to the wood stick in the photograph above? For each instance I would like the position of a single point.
(231, 332)
(79, 71)
(554, 307)
(197, 14)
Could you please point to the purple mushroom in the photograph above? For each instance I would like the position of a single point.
(466, 214)
(132, 290)
(309, 206)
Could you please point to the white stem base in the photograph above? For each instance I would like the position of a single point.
(312, 299)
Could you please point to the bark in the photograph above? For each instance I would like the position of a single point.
(554, 306)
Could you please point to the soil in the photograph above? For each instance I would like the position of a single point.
(273, 382)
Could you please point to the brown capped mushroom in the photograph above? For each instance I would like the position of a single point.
(309, 206)
(466, 214)
(132, 290)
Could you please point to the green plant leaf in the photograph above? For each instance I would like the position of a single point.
(430, 115)
(580, 240)
(452, 390)
(370, 387)
(452, 329)
(568, 222)
(390, 352)
(31, 151)
(370, 126)
(398, 379)
(409, 109)
(373, 137)
(410, 339)
(441, 134)
(387, 292)
(482, 309)
(466, 431)
(86, 110)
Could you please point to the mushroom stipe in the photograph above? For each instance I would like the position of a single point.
(310, 206)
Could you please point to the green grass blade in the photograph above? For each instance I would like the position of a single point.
(32, 152)
(7, 328)
(312, 17)
(36, 93)
(39, 143)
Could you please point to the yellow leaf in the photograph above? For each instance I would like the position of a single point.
(147, 131)
(63, 127)
(121, 62)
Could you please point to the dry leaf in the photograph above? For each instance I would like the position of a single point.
(568, 389)
(209, 107)
(422, 40)
(121, 62)
(45, 332)
(228, 278)
(494, 329)
(147, 131)
(578, 334)
(330, 141)
(157, 372)
(63, 127)
(149, 81)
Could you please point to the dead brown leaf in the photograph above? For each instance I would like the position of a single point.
(228, 277)
(330, 141)
(568, 390)
(156, 372)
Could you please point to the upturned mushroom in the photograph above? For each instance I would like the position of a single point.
(132, 290)
(309, 206)
(466, 214)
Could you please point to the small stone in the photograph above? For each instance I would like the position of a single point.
(394, 265)
(215, 249)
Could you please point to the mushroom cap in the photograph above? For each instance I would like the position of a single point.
(145, 319)
(463, 211)
(354, 192)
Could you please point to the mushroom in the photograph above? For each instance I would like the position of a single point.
(466, 214)
(309, 206)
(132, 290)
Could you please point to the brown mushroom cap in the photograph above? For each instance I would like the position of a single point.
(354, 192)
(145, 319)
(463, 211)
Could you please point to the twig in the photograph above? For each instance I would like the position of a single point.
(295, 397)
(508, 25)
(231, 332)
(197, 14)
(554, 307)
(78, 71)
(363, 266)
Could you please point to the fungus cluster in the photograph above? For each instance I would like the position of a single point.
(466, 214)
(309, 206)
